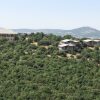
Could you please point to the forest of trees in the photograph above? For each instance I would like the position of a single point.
(41, 72)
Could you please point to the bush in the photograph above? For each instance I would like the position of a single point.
(44, 42)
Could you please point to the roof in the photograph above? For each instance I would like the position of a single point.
(6, 31)
(64, 45)
(97, 40)
(75, 41)
(68, 40)
(88, 40)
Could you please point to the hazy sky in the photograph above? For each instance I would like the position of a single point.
(59, 14)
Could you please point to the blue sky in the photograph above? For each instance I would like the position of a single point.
(51, 14)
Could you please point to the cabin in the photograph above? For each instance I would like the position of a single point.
(7, 34)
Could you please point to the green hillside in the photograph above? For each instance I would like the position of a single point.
(31, 68)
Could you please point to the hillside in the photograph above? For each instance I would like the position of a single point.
(33, 72)
(79, 32)
(85, 32)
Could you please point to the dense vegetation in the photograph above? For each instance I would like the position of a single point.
(39, 72)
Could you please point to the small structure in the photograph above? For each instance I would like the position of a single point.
(92, 42)
(7, 34)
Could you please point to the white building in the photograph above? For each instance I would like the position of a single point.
(7, 34)
(67, 45)
(66, 41)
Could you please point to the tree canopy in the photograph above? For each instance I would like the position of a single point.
(40, 72)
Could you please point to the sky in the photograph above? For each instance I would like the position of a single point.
(49, 14)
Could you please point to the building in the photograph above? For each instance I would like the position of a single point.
(92, 42)
(75, 45)
(7, 34)
(68, 45)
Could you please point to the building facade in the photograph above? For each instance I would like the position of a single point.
(7, 34)
(68, 45)
(92, 42)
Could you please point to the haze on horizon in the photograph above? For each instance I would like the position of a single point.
(50, 14)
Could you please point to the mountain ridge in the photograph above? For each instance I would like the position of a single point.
(81, 32)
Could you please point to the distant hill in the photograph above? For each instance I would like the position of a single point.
(81, 32)
(39, 30)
